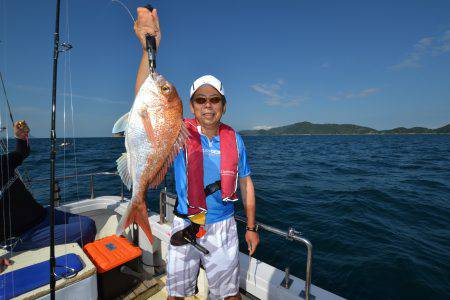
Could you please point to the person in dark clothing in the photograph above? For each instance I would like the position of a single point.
(24, 223)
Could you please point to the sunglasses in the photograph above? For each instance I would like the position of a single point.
(202, 100)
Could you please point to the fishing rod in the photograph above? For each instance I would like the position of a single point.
(9, 110)
(150, 42)
(6, 97)
(53, 154)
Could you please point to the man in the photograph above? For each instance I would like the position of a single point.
(24, 223)
(214, 154)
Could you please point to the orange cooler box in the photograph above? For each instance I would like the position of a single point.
(109, 255)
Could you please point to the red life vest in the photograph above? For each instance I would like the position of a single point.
(194, 166)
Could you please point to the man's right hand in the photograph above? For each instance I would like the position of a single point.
(147, 22)
(4, 263)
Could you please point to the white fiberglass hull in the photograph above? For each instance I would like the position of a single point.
(259, 279)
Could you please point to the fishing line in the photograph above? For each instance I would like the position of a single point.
(1, 170)
(126, 8)
(3, 39)
(1, 142)
(63, 145)
(6, 147)
(69, 73)
(11, 252)
(9, 241)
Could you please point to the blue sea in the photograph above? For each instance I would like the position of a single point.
(376, 208)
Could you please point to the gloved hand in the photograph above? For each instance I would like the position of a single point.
(21, 130)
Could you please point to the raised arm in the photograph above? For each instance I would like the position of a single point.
(147, 22)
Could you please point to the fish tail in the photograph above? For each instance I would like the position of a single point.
(136, 213)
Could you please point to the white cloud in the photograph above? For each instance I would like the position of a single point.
(30, 88)
(30, 110)
(46, 91)
(425, 47)
(325, 65)
(96, 99)
(274, 95)
(259, 127)
(443, 44)
(355, 95)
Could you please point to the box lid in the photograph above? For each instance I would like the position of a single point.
(110, 252)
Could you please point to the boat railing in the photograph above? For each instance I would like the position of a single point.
(165, 214)
(91, 181)
(168, 199)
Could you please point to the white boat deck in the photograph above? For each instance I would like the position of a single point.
(84, 279)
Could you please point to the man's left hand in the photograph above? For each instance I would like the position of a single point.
(252, 239)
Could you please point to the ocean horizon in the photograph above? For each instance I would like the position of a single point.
(375, 208)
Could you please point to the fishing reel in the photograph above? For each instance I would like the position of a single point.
(21, 123)
(65, 47)
(9, 243)
(186, 236)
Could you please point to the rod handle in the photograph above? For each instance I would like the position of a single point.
(150, 43)
(193, 242)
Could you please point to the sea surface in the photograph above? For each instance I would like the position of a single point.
(376, 208)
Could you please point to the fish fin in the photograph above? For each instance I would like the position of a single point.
(158, 178)
(179, 143)
(121, 124)
(147, 125)
(136, 213)
(122, 169)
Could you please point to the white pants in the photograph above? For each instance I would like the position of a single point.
(221, 264)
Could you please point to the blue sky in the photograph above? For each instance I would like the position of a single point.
(380, 64)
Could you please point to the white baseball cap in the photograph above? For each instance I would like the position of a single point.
(207, 79)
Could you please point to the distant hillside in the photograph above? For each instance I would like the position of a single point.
(310, 128)
(443, 129)
(403, 130)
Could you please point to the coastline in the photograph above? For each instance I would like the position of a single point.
(324, 134)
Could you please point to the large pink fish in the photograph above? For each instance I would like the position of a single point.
(154, 133)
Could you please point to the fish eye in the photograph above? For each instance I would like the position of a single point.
(165, 89)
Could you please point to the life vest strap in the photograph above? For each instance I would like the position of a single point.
(209, 190)
(212, 188)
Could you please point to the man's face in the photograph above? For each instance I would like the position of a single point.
(206, 107)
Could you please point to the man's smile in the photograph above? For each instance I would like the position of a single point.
(208, 115)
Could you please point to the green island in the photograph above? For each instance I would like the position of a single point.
(307, 128)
